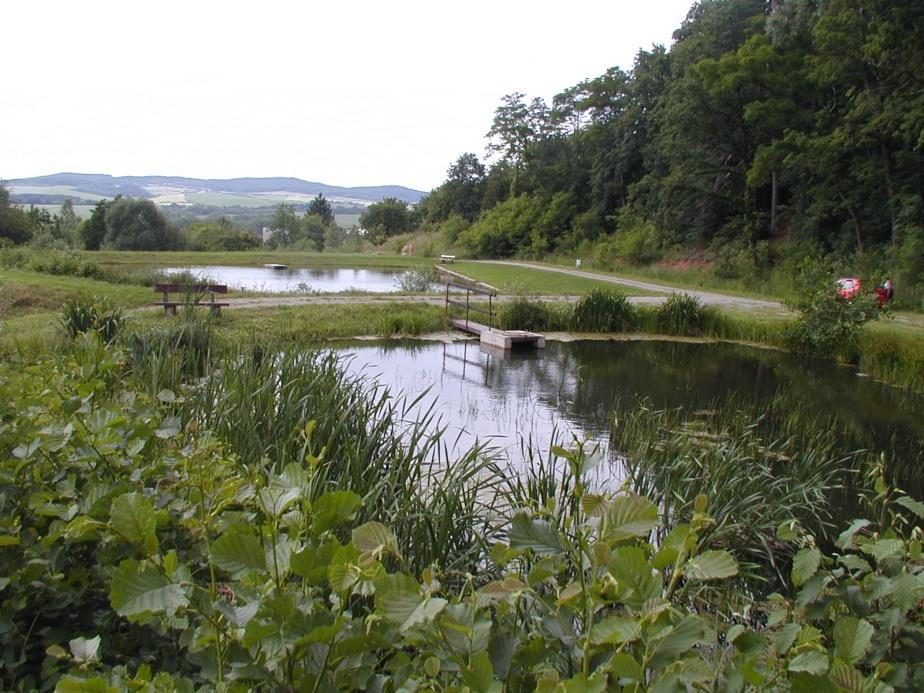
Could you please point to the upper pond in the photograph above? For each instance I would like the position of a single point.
(292, 280)
(524, 398)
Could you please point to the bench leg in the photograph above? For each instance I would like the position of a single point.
(216, 310)
(170, 310)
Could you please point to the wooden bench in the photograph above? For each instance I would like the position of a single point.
(195, 295)
(447, 258)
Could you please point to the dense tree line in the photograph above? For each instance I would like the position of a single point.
(791, 120)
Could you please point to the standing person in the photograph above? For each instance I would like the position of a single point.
(889, 291)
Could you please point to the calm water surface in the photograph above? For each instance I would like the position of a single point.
(291, 280)
(530, 397)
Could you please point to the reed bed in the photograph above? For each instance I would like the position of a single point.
(758, 469)
(280, 405)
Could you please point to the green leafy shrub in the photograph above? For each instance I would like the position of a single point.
(603, 310)
(416, 281)
(828, 324)
(278, 526)
(636, 242)
(97, 315)
(683, 314)
(524, 313)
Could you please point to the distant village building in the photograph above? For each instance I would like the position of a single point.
(267, 234)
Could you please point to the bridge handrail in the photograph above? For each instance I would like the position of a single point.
(460, 281)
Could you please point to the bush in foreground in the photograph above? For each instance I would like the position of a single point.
(140, 549)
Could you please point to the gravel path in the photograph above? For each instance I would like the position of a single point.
(708, 297)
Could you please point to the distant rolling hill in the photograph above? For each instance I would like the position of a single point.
(165, 190)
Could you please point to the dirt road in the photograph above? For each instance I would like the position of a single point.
(708, 297)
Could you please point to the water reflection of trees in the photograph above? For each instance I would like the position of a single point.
(573, 387)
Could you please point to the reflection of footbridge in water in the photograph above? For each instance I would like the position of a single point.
(487, 334)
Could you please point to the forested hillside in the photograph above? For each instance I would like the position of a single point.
(769, 131)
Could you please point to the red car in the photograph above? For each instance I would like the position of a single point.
(848, 287)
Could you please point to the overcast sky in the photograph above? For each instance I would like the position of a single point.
(341, 92)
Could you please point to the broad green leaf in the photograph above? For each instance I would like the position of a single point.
(169, 428)
(397, 597)
(671, 546)
(239, 552)
(906, 590)
(803, 682)
(811, 662)
(543, 569)
(735, 631)
(72, 684)
(312, 563)
(432, 667)
(805, 565)
(711, 565)
(343, 576)
(502, 589)
(845, 538)
(56, 436)
(785, 637)
(480, 675)
(615, 630)
(538, 535)
(8, 540)
(334, 508)
(277, 554)
(631, 516)
(84, 650)
(133, 517)
(502, 647)
(580, 683)
(277, 500)
(689, 632)
(787, 531)
(633, 574)
(852, 636)
(139, 589)
(464, 629)
(854, 563)
(884, 548)
(625, 667)
(57, 652)
(571, 593)
(594, 505)
(425, 612)
(810, 591)
(376, 539)
(846, 677)
(917, 507)
(238, 616)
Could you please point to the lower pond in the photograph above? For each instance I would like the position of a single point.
(522, 400)
(297, 279)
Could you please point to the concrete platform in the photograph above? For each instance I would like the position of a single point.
(501, 339)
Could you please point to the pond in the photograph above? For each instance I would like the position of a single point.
(297, 279)
(522, 400)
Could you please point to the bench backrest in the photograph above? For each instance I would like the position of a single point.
(194, 288)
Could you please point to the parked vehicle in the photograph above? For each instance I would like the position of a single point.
(848, 287)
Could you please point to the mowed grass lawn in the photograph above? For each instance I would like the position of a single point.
(537, 282)
(254, 258)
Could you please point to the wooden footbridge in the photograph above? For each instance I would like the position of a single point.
(486, 333)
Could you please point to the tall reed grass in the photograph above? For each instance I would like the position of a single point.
(603, 310)
(758, 469)
(281, 405)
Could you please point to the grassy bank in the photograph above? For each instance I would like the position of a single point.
(525, 281)
(255, 258)
(890, 350)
